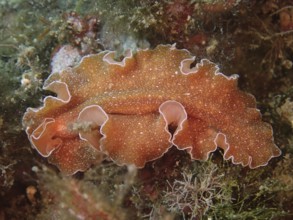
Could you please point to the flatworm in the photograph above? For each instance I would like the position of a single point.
(133, 111)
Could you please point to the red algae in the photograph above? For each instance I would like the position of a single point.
(123, 110)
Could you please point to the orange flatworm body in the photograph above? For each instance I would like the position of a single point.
(124, 110)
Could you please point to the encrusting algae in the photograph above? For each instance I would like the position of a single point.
(134, 110)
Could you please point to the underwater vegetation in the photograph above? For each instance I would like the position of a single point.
(253, 39)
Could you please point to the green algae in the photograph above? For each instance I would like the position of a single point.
(245, 39)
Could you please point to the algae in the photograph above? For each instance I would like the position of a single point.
(251, 38)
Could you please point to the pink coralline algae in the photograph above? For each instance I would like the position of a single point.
(134, 110)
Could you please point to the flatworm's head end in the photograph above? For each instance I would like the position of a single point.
(51, 134)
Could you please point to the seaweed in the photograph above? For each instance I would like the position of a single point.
(250, 38)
